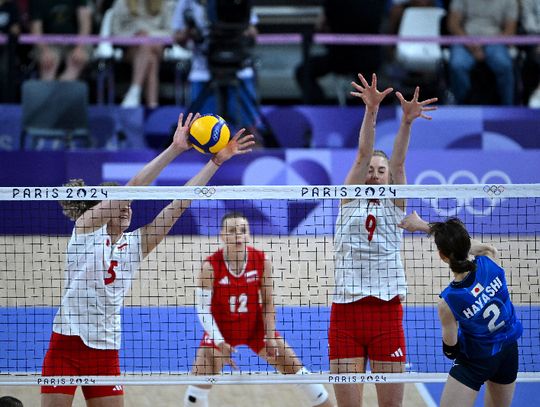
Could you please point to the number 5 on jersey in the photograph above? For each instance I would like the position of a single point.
(111, 273)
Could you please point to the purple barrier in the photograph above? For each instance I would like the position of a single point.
(483, 128)
(344, 39)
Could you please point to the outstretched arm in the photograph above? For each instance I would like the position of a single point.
(372, 99)
(414, 223)
(366, 138)
(179, 144)
(412, 110)
(100, 214)
(153, 233)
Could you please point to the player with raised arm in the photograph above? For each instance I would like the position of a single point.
(366, 321)
(101, 262)
(235, 306)
(479, 324)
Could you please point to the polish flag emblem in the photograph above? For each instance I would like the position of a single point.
(477, 289)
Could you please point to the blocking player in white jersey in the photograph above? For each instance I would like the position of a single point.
(101, 262)
(366, 317)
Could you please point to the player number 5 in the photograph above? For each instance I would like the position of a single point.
(111, 273)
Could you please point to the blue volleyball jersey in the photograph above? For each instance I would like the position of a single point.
(482, 307)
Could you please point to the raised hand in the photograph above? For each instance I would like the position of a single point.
(414, 109)
(414, 223)
(369, 93)
(180, 139)
(239, 144)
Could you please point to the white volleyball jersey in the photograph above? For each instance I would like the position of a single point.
(367, 244)
(97, 278)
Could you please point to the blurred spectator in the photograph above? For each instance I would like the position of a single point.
(100, 7)
(343, 16)
(399, 6)
(238, 95)
(145, 18)
(488, 18)
(11, 27)
(61, 17)
(530, 22)
(8, 401)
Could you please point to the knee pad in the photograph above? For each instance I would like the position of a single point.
(316, 393)
(196, 397)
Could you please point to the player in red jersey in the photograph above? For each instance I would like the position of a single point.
(235, 307)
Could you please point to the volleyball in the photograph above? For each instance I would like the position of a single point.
(209, 134)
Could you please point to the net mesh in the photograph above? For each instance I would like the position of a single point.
(295, 227)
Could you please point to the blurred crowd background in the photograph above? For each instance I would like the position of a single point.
(279, 68)
(172, 60)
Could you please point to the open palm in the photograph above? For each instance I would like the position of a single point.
(413, 109)
(181, 134)
(371, 96)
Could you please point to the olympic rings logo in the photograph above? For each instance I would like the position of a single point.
(205, 191)
(451, 207)
(494, 189)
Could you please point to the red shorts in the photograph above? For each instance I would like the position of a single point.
(368, 328)
(69, 356)
(256, 343)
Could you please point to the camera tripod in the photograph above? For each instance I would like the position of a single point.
(220, 86)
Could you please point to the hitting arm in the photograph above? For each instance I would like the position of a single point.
(449, 328)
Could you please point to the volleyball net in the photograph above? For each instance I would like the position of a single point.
(295, 226)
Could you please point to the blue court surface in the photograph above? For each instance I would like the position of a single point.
(164, 339)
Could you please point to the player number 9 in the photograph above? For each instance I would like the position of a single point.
(371, 224)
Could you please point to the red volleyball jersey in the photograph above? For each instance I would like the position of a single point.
(236, 304)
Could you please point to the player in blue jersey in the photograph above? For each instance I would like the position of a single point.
(479, 325)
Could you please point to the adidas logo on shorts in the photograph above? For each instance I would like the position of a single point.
(397, 354)
(117, 388)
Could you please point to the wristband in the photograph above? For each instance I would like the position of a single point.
(451, 352)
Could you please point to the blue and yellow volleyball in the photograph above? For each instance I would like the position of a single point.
(209, 134)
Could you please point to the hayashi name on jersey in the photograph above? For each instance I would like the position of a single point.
(483, 296)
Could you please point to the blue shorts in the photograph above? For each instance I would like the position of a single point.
(500, 368)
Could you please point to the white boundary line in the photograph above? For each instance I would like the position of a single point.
(425, 394)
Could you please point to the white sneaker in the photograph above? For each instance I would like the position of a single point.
(133, 97)
(534, 100)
